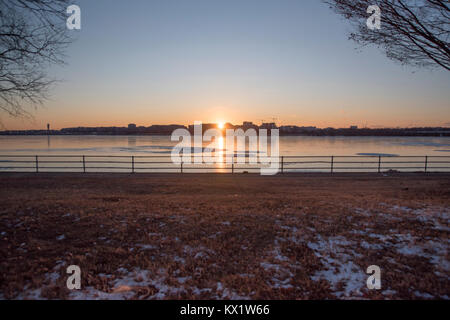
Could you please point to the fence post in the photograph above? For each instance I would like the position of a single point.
(84, 165)
(426, 163)
(379, 164)
(282, 164)
(232, 164)
(332, 163)
(132, 164)
(37, 164)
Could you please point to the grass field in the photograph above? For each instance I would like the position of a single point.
(213, 236)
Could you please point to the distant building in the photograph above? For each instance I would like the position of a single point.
(296, 129)
(205, 126)
(268, 125)
(353, 127)
(132, 126)
(246, 125)
(308, 129)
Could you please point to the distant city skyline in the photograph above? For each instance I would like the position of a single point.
(270, 121)
(173, 62)
(220, 125)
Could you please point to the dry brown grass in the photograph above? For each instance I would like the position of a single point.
(206, 236)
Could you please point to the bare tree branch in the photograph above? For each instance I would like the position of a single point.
(413, 32)
(33, 35)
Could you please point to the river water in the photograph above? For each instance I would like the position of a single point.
(367, 148)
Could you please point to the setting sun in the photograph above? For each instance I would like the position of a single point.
(221, 125)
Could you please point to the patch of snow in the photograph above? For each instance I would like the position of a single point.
(154, 234)
(198, 252)
(183, 279)
(341, 269)
(228, 294)
(146, 246)
(362, 212)
(179, 259)
(267, 266)
(388, 292)
(423, 295)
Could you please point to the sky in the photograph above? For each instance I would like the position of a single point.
(179, 61)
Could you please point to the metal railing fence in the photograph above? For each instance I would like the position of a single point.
(163, 163)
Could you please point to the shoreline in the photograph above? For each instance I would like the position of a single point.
(287, 175)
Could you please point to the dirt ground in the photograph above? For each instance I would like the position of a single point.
(223, 236)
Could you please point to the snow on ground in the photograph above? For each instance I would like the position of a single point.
(199, 252)
(336, 253)
(127, 283)
(336, 256)
(434, 250)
